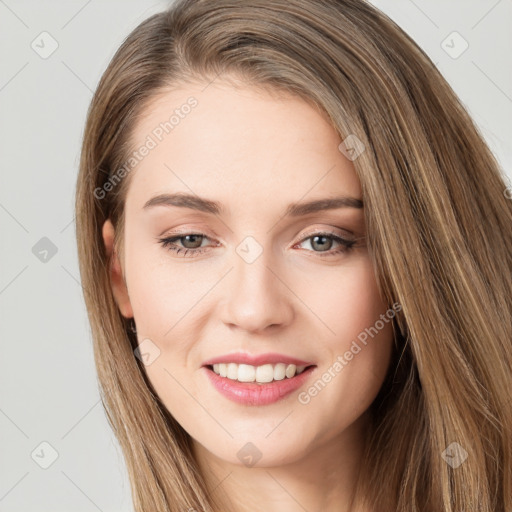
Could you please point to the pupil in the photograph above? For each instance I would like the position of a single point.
(322, 246)
(195, 239)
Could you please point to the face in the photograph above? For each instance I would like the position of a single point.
(234, 274)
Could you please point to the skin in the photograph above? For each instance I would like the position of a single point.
(255, 153)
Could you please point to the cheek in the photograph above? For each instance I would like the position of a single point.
(162, 291)
(365, 328)
(166, 301)
(360, 300)
(356, 350)
(345, 299)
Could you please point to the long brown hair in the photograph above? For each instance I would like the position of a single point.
(439, 235)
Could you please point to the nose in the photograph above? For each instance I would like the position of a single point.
(257, 296)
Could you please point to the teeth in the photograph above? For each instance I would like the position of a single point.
(232, 371)
(265, 373)
(259, 374)
(279, 371)
(246, 373)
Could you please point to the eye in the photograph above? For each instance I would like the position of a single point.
(321, 242)
(191, 242)
(324, 242)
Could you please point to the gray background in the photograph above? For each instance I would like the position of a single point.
(48, 383)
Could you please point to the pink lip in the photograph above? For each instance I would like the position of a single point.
(250, 393)
(256, 360)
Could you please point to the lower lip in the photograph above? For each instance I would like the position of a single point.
(250, 393)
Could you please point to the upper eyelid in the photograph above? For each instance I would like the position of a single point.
(309, 234)
(324, 231)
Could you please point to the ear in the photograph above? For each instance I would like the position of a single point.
(117, 281)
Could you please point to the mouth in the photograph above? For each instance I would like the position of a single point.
(259, 375)
(262, 385)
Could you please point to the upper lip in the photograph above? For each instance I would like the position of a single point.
(256, 359)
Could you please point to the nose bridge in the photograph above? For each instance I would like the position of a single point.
(256, 298)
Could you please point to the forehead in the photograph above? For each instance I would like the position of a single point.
(225, 141)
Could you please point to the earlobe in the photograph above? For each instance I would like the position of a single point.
(119, 289)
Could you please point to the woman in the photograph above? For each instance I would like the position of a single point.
(296, 251)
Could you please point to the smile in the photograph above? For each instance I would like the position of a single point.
(260, 374)
(263, 388)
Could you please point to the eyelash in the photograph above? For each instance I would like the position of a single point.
(345, 245)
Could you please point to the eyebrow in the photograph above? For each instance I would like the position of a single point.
(194, 202)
